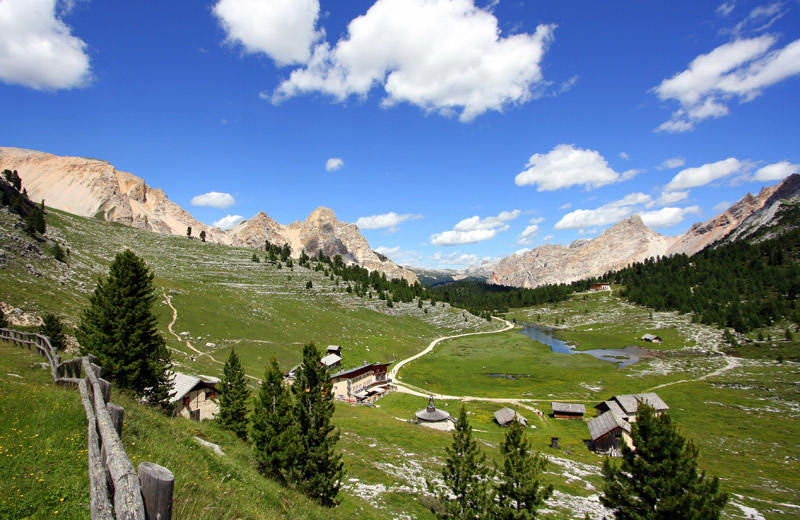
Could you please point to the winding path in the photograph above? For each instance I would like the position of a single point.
(410, 389)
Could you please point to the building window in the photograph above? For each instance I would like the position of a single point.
(186, 401)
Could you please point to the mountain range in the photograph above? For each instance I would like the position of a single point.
(94, 188)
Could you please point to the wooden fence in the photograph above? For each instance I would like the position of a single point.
(113, 483)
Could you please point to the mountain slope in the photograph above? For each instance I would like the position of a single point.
(94, 188)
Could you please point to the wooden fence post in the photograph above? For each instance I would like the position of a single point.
(105, 387)
(117, 414)
(157, 485)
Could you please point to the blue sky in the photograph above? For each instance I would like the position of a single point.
(451, 131)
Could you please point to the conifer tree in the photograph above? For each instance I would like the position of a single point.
(203, 235)
(465, 476)
(659, 480)
(233, 398)
(521, 491)
(273, 429)
(119, 328)
(319, 469)
(54, 330)
(3, 320)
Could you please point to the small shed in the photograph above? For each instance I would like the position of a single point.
(334, 349)
(433, 418)
(652, 338)
(608, 432)
(331, 361)
(568, 410)
(505, 416)
(193, 397)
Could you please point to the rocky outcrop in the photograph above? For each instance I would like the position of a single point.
(769, 217)
(626, 242)
(94, 188)
(701, 235)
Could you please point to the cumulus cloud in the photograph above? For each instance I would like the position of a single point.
(671, 197)
(334, 163)
(528, 236)
(735, 71)
(623, 155)
(387, 220)
(445, 56)
(455, 259)
(604, 215)
(284, 30)
(673, 162)
(228, 222)
(475, 229)
(666, 217)
(776, 171)
(37, 49)
(214, 199)
(702, 175)
(567, 165)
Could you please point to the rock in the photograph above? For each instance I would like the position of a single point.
(211, 345)
(210, 445)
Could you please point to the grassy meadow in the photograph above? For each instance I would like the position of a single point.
(739, 405)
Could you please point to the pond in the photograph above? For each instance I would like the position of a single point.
(623, 357)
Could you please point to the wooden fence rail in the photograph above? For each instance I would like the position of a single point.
(110, 470)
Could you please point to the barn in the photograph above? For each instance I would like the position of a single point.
(505, 416)
(608, 432)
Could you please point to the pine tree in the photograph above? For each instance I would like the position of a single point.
(659, 480)
(319, 471)
(36, 222)
(203, 235)
(521, 491)
(465, 476)
(233, 398)
(54, 330)
(273, 428)
(3, 320)
(119, 328)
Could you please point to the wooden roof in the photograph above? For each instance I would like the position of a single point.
(569, 408)
(504, 416)
(607, 423)
(181, 384)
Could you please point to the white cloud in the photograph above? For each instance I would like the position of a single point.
(445, 56)
(607, 214)
(776, 171)
(566, 166)
(671, 197)
(214, 199)
(536, 220)
(666, 217)
(228, 222)
(565, 206)
(760, 19)
(625, 156)
(284, 30)
(739, 70)
(399, 255)
(722, 206)
(455, 259)
(547, 237)
(702, 175)
(725, 8)
(333, 164)
(387, 220)
(528, 236)
(475, 229)
(673, 162)
(37, 49)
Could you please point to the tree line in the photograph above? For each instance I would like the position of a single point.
(741, 284)
(15, 197)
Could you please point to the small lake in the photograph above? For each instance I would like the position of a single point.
(623, 357)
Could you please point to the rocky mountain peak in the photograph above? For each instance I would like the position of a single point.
(322, 214)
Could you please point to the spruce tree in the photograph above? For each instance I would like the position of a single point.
(319, 470)
(659, 480)
(119, 328)
(521, 491)
(273, 428)
(466, 477)
(233, 398)
(54, 330)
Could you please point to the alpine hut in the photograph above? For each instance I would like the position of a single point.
(568, 410)
(193, 397)
(505, 416)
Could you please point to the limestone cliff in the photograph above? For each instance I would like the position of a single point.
(626, 242)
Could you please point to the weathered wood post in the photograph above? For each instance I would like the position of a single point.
(105, 387)
(157, 485)
(554, 442)
(117, 415)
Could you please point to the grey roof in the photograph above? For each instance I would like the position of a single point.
(504, 416)
(569, 408)
(181, 384)
(330, 359)
(334, 348)
(650, 337)
(614, 407)
(630, 403)
(431, 414)
(606, 423)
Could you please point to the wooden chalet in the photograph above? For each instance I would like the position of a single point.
(596, 287)
(334, 349)
(652, 338)
(568, 410)
(608, 431)
(193, 397)
(627, 405)
(505, 416)
(362, 382)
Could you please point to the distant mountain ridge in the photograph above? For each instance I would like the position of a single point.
(94, 188)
